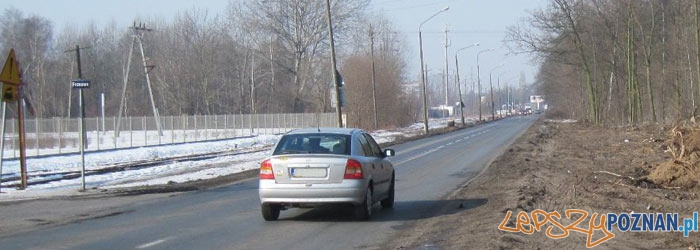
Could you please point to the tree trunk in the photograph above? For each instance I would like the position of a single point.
(590, 84)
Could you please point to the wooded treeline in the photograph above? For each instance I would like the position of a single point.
(259, 57)
(616, 62)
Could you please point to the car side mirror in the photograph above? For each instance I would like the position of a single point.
(389, 153)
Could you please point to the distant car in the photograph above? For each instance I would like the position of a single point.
(326, 166)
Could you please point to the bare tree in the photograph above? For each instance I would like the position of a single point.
(31, 39)
(300, 29)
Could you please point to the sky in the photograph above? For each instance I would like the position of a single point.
(468, 22)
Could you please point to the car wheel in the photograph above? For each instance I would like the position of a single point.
(270, 212)
(364, 210)
(389, 201)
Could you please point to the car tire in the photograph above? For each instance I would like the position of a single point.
(364, 210)
(389, 201)
(270, 212)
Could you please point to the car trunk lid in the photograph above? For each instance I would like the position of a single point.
(308, 168)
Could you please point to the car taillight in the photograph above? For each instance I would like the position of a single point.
(266, 170)
(353, 170)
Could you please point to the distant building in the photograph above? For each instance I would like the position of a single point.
(442, 111)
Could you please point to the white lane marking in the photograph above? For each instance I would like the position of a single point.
(147, 245)
(440, 147)
(417, 156)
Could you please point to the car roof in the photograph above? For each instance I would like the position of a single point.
(326, 130)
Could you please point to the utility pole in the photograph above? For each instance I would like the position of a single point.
(147, 68)
(126, 82)
(493, 109)
(80, 97)
(83, 137)
(252, 84)
(272, 70)
(476, 103)
(508, 105)
(498, 87)
(338, 109)
(374, 83)
(478, 80)
(459, 84)
(138, 35)
(447, 44)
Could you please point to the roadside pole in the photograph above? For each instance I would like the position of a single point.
(82, 141)
(11, 79)
(334, 70)
(81, 84)
(22, 144)
(2, 139)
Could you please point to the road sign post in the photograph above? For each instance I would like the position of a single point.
(2, 139)
(11, 78)
(22, 145)
(81, 84)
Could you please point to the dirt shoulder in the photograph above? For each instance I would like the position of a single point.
(558, 167)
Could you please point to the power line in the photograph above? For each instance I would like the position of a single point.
(461, 32)
(391, 2)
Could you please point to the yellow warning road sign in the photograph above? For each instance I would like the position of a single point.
(10, 72)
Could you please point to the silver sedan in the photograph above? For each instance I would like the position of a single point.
(326, 166)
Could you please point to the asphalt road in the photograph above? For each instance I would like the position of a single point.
(427, 172)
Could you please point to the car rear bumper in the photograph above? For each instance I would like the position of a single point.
(347, 192)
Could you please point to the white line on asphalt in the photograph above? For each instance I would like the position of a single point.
(147, 245)
(438, 148)
(417, 156)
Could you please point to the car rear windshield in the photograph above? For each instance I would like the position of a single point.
(313, 144)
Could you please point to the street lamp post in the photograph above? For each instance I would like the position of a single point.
(478, 80)
(493, 108)
(500, 97)
(422, 72)
(459, 87)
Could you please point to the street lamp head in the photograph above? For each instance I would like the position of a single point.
(486, 50)
(494, 68)
(476, 44)
(431, 17)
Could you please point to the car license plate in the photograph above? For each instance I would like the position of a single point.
(309, 172)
